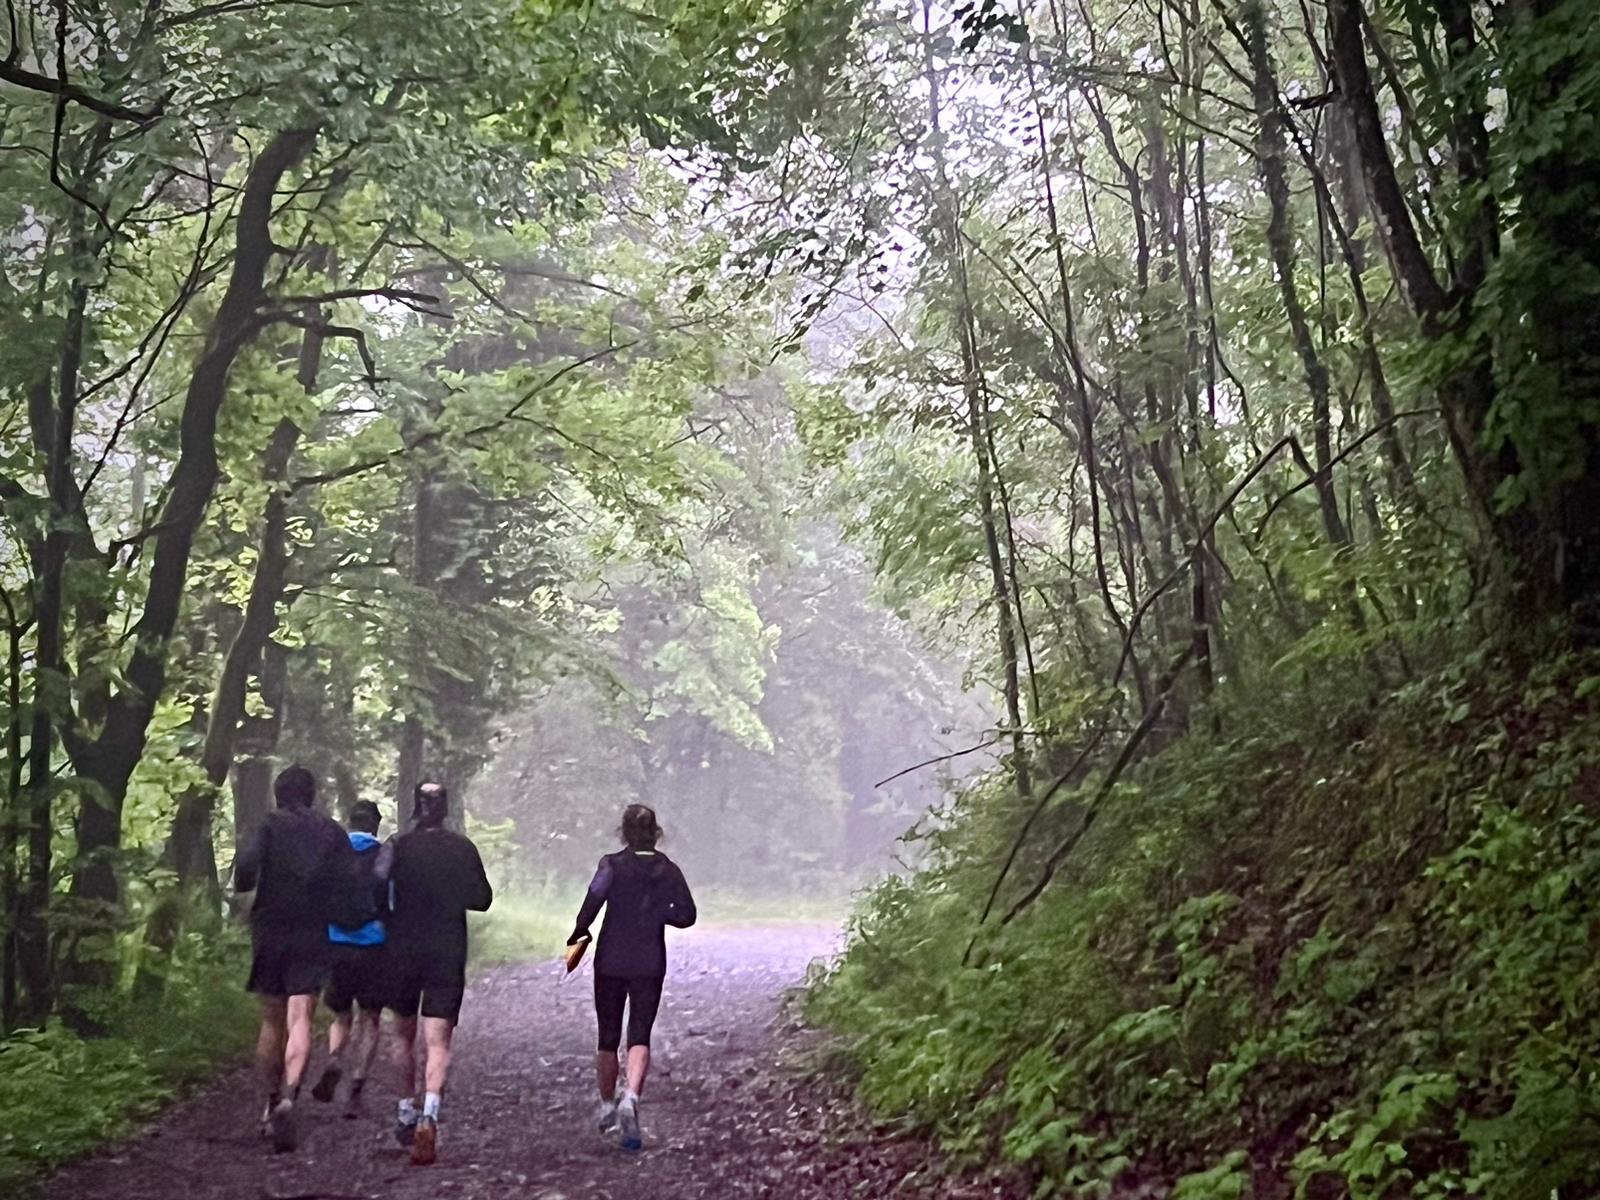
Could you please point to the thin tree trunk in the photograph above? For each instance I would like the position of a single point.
(412, 745)
(1270, 145)
(256, 743)
(10, 895)
(108, 761)
(977, 424)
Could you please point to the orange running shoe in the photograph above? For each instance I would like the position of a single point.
(425, 1148)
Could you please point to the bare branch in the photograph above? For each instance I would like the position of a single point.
(939, 759)
(1314, 477)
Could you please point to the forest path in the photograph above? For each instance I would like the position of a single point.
(723, 1117)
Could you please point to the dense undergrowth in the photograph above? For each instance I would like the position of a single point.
(1336, 945)
(65, 1090)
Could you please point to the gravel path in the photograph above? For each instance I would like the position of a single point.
(724, 1117)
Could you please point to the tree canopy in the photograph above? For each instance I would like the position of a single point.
(821, 418)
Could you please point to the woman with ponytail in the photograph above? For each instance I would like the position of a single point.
(643, 892)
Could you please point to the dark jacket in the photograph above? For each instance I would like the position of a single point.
(299, 864)
(436, 878)
(643, 892)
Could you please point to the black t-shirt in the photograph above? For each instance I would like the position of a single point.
(298, 864)
(436, 878)
(643, 892)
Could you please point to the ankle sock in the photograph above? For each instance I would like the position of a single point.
(408, 1112)
(430, 1106)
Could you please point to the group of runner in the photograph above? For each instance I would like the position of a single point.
(371, 925)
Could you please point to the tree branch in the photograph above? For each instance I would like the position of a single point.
(1158, 704)
(1313, 477)
(63, 89)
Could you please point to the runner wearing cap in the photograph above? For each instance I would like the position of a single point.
(436, 879)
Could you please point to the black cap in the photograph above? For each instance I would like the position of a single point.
(430, 803)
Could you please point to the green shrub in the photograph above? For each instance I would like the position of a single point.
(1350, 947)
(62, 1094)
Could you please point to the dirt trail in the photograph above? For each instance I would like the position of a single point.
(722, 1117)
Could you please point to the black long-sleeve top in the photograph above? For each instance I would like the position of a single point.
(296, 863)
(437, 877)
(643, 892)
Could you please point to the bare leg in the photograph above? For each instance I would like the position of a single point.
(270, 1042)
(607, 1069)
(402, 1051)
(638, 1068)
(436, 1032)
(339, 1033)
(339, 1038)
(297, 1047)
(364, 1039)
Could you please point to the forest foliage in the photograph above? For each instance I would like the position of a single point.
(1235, 416)
(676, 400)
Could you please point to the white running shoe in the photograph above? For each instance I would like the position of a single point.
(628, 1121)
(607, 1118)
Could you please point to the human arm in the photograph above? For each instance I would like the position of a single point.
(382, 868)
(679, 910)
(479, 894)
(247, 862)
(594, 898)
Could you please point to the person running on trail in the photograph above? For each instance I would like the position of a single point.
(357, 981)
(297, 864)
(642, 891)
(436, 879)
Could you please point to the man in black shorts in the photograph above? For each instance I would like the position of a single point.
(357, 980)
(297, 864)
(437, 877)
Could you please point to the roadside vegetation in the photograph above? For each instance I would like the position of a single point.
(1150, 452)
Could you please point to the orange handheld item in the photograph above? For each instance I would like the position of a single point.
(574, 954)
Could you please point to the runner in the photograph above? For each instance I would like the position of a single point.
(297, 866)
(357, 980)
(643, 891)
(436, 879)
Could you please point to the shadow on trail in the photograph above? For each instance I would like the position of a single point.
(721, 1119)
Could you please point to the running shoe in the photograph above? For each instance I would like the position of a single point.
(327, 1085)
(607, 1120)
(426, 1146)
(285, 1130)
(405, 1132)
(628, 1121)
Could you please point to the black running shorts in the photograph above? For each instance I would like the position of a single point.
(429, 984)
(357, 977)
(285, 962)
(643, 998)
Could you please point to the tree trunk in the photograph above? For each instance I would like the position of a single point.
(10, 818)
(190, 843)
(1270, 145)
(1535, 483)
(107, 763)
(978, 416)
(255, 744)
